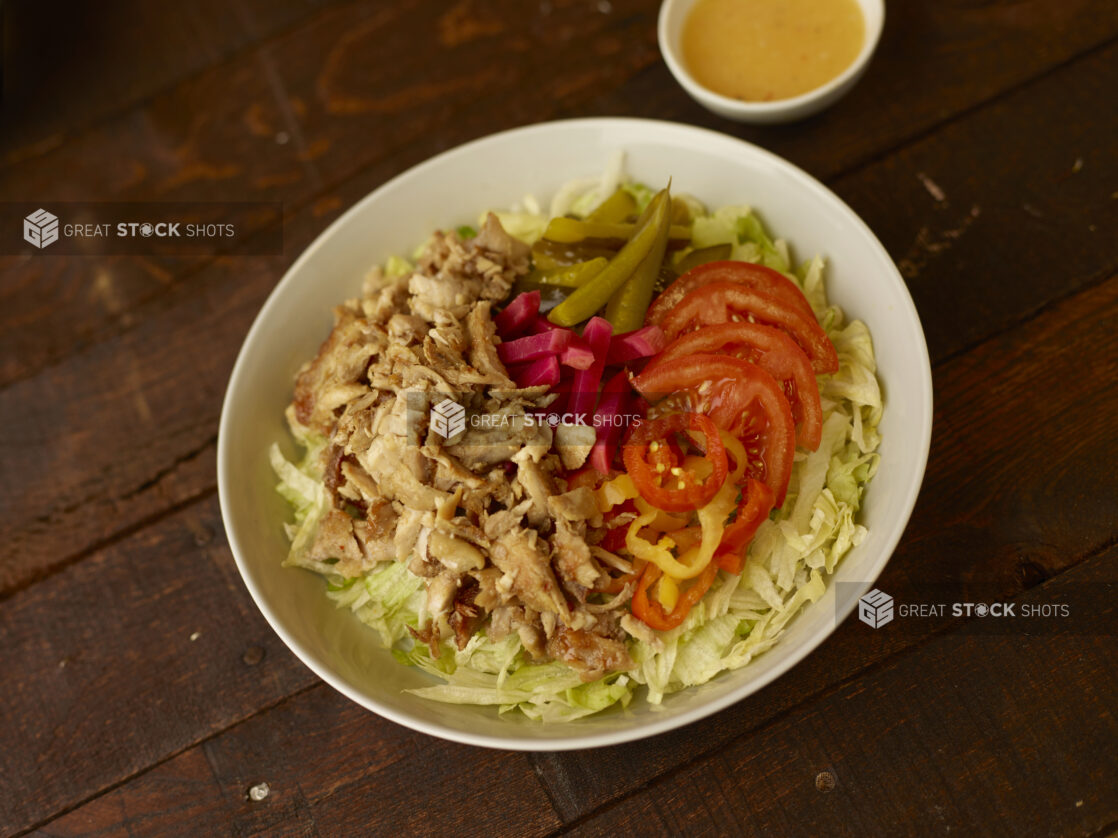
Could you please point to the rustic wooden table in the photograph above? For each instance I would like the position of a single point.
(143, 694)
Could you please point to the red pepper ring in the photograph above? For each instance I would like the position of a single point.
(648, 478)
(755, 506)
(616, 584)
(652, 614)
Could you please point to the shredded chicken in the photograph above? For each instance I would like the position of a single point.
(478, 511)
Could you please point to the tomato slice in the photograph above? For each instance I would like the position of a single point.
(757, 277)
(721, 302)
(740, 398)
(773, 351)
(665, 487)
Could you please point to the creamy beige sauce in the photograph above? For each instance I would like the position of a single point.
(761, 50)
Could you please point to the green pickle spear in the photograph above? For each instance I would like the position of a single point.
(651, 233)
(574, 231)
(614, 209)
(571, 276)
(628, 305)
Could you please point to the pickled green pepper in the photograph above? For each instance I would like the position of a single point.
(650, 232)
(629, 303)
(614, 209)
(573, 231)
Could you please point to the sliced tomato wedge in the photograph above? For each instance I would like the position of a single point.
(739, 397)
(722, 302)
(667, 488)
(749, 274)
(772, 350)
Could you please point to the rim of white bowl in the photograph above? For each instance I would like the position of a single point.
(700, 92)
(655, 726)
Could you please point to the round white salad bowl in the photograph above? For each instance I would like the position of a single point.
(454, 188)
(673, 15)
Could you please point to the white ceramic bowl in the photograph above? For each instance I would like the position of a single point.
(673, 13)
(452, 189)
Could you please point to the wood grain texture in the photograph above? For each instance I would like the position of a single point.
(469, 69)
(133, 655)
(332, 768)
(66, 71)
(988, 518)
(1000, 213)
(1000, 735)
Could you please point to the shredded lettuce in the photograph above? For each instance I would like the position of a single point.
(389, 598)
(740, 227)
(526, 226)
(499, 674)
(397, 267)
(300, 484)
(641, 193)
(740, 617)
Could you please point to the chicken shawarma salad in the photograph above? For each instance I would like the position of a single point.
(579, 453)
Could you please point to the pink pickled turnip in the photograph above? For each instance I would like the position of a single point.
(584, 388)
(534, 346)
(642, 343)
(534, 373)
(578, 355)
(518, 314)
(542, 324)
(610, 421)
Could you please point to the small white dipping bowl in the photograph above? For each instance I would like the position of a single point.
(673, 14)
(455, 188)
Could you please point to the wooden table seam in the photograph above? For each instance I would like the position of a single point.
(117, 536)
(198, 743)
(968, 111)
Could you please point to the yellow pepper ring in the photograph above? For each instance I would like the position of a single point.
(712, 519)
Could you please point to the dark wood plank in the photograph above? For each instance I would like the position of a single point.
(993, 217)
(175, 361)
(326, 90)
(133, 655)
(332, 768)
(141, 415)
(66, 71)
(994, 735)
(994, 515)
